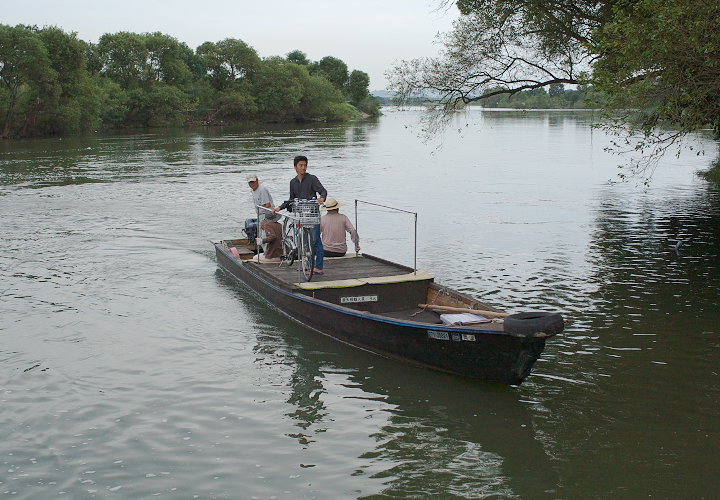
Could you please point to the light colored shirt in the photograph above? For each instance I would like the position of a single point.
(333, 227)
(261, 196)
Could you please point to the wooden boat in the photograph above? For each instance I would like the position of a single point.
(398, 312)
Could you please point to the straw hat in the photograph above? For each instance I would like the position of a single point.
(332, 204)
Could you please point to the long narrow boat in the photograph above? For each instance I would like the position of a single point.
(398, 312)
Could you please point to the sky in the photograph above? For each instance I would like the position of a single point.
(368, 35)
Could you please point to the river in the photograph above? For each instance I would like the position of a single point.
(132, 367)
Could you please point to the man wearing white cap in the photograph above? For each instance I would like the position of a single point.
(333, 227)
(270, 236)
(261, 196)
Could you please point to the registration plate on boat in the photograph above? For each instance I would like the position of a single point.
(357, 299)
(447, 336)
(438, 335)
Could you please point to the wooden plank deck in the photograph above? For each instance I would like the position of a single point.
(344, 268)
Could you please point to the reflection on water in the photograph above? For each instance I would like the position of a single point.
(431, 434)
(131, 367)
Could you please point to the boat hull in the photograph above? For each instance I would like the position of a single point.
(485, 354)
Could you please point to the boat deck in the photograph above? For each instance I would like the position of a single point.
(336, 269)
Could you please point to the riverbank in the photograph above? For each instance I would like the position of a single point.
(713, 174)
(130, 80)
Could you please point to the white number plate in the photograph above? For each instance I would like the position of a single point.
(438, 335)
(361, 298)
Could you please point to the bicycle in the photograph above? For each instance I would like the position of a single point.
(298, 241)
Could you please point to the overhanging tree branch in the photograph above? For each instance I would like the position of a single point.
(655, 62)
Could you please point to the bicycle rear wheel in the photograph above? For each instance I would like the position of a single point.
(307, 255)
(289, 247)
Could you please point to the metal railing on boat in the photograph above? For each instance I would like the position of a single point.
(414, 214)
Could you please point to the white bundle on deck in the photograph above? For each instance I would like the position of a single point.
(462, 319)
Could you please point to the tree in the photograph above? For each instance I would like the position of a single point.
(51, 83)
(320, 98)
(298, 57)
(235, 105)
(503, 47)
(334, 70)
(357, 86)
(370, 106)
(69, 105)
(26, 74)
(160, 105)
(277, 93)
(167, 59)
(229, 61)
(124, 57)
(556, 89)
(657, 55)
(661, 58)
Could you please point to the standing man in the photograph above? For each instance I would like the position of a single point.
(306, 186)
(269, 235)
(261, 196)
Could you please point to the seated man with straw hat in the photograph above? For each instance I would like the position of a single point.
(333, 227)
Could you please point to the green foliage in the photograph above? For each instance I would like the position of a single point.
(168, 59)
(123, 57)
(713, 174)
(53, 83)
(113, 102)
(556, 89)
(298, 57)
(335, 70)
(583, 97)
(162, 105)
(229, 62)
(71, 105)
(370, 106)
(26, 75)
(339, 112)
(277, 93)
(319, 99)
(235, 106)
(662, 58)
(357, 86)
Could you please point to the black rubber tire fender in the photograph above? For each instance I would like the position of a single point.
(527, 323)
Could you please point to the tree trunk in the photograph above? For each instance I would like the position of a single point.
(5, 134)
(31, 117)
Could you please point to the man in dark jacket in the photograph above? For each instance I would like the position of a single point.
(306, 186)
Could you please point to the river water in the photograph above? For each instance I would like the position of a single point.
(131, 367)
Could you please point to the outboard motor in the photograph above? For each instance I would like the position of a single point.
(250, 229)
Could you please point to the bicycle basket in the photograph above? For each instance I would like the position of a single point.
(307, 212)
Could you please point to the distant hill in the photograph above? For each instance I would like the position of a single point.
(383, 94)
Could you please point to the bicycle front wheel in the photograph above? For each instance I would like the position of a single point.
(307, 255)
